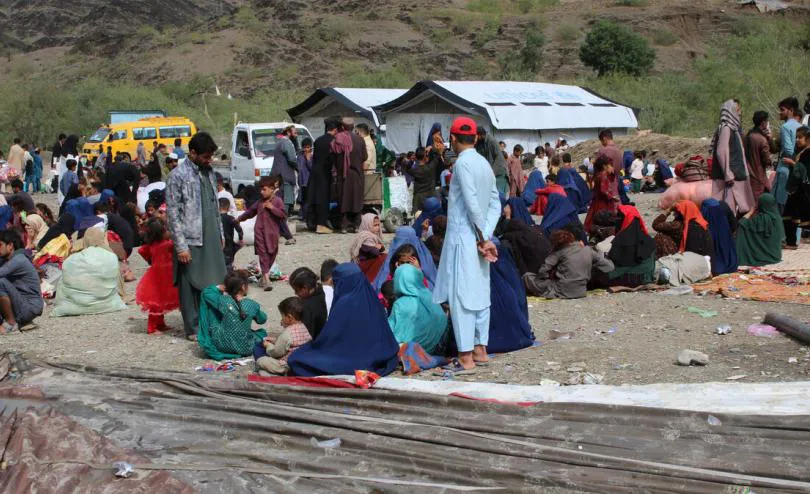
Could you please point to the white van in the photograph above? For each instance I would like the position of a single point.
(253, 148)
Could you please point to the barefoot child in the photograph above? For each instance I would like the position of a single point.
(269, 213)
(271, 354)
(156, 292)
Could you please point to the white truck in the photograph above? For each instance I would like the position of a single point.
(253, 145)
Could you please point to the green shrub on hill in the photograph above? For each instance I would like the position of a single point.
(610, 48)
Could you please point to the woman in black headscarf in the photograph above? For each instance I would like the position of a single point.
(64, 226)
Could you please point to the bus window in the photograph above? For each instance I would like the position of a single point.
(173, 131)
(117, 135)
(144, 133)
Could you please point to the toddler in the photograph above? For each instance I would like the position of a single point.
(271, 354)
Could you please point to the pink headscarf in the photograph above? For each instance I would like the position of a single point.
(343, 145)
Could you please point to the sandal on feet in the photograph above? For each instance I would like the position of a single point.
(290, 242)
(268, 288)
(456, 368)
(6, 328)
(191, 337)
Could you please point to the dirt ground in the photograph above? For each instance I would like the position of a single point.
(625, 338)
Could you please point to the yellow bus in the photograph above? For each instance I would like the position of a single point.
(124, 137)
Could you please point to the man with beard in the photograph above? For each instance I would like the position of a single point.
(319, 192)
(196, 228)
(350, 154)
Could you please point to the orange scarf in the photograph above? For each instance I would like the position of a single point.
(690, 212)
(630, 213)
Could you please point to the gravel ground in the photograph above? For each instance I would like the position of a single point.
(649, 331)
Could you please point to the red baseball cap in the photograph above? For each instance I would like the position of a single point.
(464, 126)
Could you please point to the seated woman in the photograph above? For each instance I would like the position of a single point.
(534, 182)
(682, 268)
(519, 210)
(406, 235)
(722, 226)
(431, 208)
(539, 206)
(632, 252)
(356, 336)
(35, 230)
(760, 233)
(367, 248)
(414, 316)
(91, 282)
(64, 226)
(603, 230)
(688, 231)
(226, 319)
(509, 328)
(567, 270)
(560, 213)
(566, 180)
(528, 246)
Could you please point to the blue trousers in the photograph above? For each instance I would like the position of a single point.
(32, 182)
(470, 327)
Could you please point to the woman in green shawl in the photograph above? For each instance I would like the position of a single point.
(226, 318)
(760, 233)
(414, 317)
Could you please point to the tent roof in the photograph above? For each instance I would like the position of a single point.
(360, 100)
(522, 105)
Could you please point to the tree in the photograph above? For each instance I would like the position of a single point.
(610, 48)
(531, 52)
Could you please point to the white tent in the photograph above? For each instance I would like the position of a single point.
(526, 113)
(331, 101)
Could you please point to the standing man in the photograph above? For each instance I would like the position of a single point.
(304, 173)
(491, 150)
(758, 153)
(788, 108)
(463, 277)
(370, 165)
(285, 163)
(16, 156)
(319, 192)
(196, 228)
(350, 154)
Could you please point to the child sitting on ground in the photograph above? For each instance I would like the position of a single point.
(156, 292)
(271, 354)
(229, 226)
(567, 270)
(269, 213)
(304, 283)
(327, 267)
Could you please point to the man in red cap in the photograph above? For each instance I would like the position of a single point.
(472, 213)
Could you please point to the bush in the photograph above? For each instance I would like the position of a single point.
(662, 37)
(610, 48)
(631, 3)
(532, 51)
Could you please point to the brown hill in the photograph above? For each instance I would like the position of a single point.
(246, 46)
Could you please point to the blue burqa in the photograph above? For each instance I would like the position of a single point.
(663, 168)
(520, 211)
(724, 259)
(565, 179)
(356, 336)
(431, 208)
(509, 328)
(436, 127)
(80, 208)
(535, 182)
(6, 213)
(407, 235)
(560, 212)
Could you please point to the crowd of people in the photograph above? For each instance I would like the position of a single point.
(492, 229)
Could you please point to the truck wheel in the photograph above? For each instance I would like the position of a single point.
(393, 219)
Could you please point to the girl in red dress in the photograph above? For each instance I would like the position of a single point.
(605, 190)
(156, 292)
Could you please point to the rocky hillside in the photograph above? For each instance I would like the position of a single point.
(245, 46)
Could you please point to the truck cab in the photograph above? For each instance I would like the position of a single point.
(253, 145)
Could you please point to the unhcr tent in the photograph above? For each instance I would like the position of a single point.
(526, 113)
(330, 101)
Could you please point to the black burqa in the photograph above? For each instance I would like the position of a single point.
(63, 226)
(631, 246)
(118, 225)
(123, 179)
(319, 191)
(315, 313)
(528, 245)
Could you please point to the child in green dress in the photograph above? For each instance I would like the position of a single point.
(226, 319)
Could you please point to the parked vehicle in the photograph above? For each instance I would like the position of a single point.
(253, 145)
(124, 137)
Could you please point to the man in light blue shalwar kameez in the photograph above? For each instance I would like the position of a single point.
(463, 277)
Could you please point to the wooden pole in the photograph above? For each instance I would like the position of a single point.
(789, 326)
